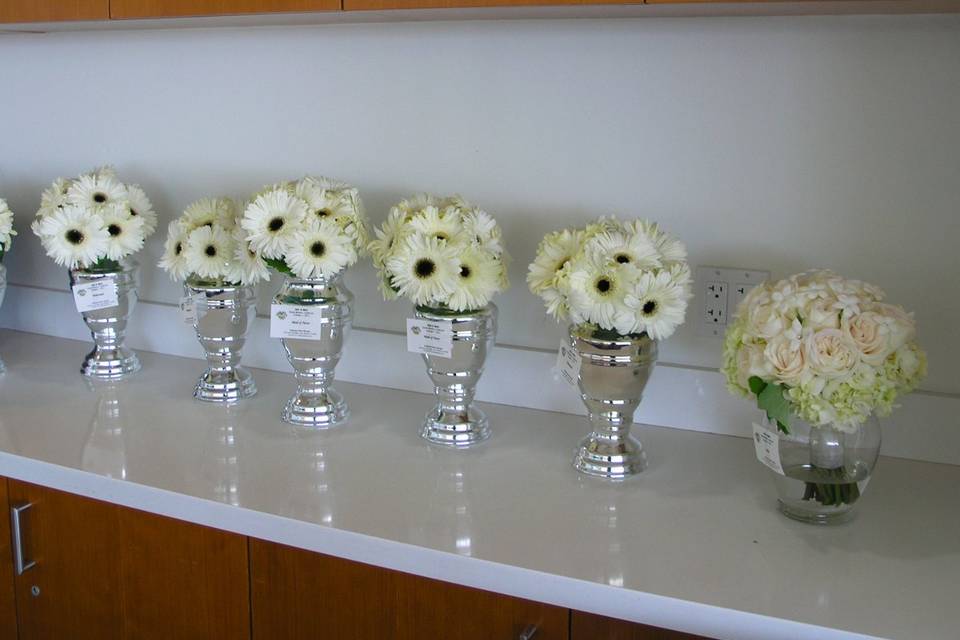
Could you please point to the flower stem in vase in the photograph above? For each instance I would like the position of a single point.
(826, 464)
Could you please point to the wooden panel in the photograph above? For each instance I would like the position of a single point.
(587, 626)
(433, 609)
(53, 10)
(75, 543)
(299, 595)
(8, 603)
(181, 580)
(377, 5)
(172, 8)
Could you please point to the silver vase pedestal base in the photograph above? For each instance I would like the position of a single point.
(110, 364)
(318, 411)
(610, 458)
(227, 386)
(456, 429)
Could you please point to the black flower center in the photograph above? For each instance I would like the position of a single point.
(424, 268)
(74, 236)
(133, 212)
(276, 224)
(622, 258)
(649, 307)
(465, 271)
(177, 249)
(564, 260)
(604, 285)
(318, 248)
(210, 250)
(440, 235)
(114, 229)
(99, 198)
(323, 213)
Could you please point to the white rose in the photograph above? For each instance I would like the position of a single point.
(830, 353)
(821, 314)
(787, 359)
(763, 321)
(751, 362)
(871, 335)
(908, 361)
(899, 323)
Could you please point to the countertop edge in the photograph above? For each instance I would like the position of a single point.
(616, 602)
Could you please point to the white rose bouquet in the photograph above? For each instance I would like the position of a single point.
(441, 253)
(6, 228)
(311, 228)
(207, 243)
(93, 221)
(614, 278)
(823, 348)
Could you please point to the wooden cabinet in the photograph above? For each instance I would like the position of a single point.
(587, 626)
(53, 10)
(8, 603)
(297, 595)
(121, 9)
(377, 5)
(105, 572)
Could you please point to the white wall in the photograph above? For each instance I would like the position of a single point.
(775, 143)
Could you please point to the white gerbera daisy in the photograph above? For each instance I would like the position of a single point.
(249, 268)
(139, 206)
(482, 229)
(597, 291)
(556, 250)
(417, 202)
(658, 302)
(209, 252)
(319, 250)
(6, 227)
(425, 269)
(272, 220)
(174, 260)
(96, 193)
(73, 237)
(388, 235)
(432, 222)
(477, 281)
(207, 212)
(634, 249)
(669, 248)
(124, 232)
(53, 197)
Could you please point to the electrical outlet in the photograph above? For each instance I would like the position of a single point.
(719, 291)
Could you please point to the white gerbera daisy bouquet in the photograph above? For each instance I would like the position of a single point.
(93, 221)
(6, 228)
(613, 278)
(441, 253)
(207, 244)
(823, 348)
(311, 228)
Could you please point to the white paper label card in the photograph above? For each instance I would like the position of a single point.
(568, 364)
(96, 295)
(295, 321)
(430, 337)
(768, 448)
(188, 310)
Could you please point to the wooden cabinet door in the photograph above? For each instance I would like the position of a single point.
(105, 572)
(298, 595)
(587, 626)
(8, 603)
(379, 5)
(53, 10)
(120, 9)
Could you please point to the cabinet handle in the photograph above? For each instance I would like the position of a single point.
(528, 633)
(17, 514)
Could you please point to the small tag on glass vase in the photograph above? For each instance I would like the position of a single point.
(188, 310)
(568, 364)
(93, 296)
(767, 445)
(430, 337)
(295, 321)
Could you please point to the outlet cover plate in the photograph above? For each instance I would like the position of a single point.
(716, 305)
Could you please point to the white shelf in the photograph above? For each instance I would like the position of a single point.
(693, 544)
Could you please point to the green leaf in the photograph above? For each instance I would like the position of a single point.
(278, 265)
(757, 385)
(775, 404)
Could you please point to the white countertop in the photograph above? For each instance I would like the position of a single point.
(695, 543)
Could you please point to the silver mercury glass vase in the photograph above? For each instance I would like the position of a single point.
(110, 358)
(613, 374)
(221, 321)
(3, 291)
(316, 403)
(454, 421)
